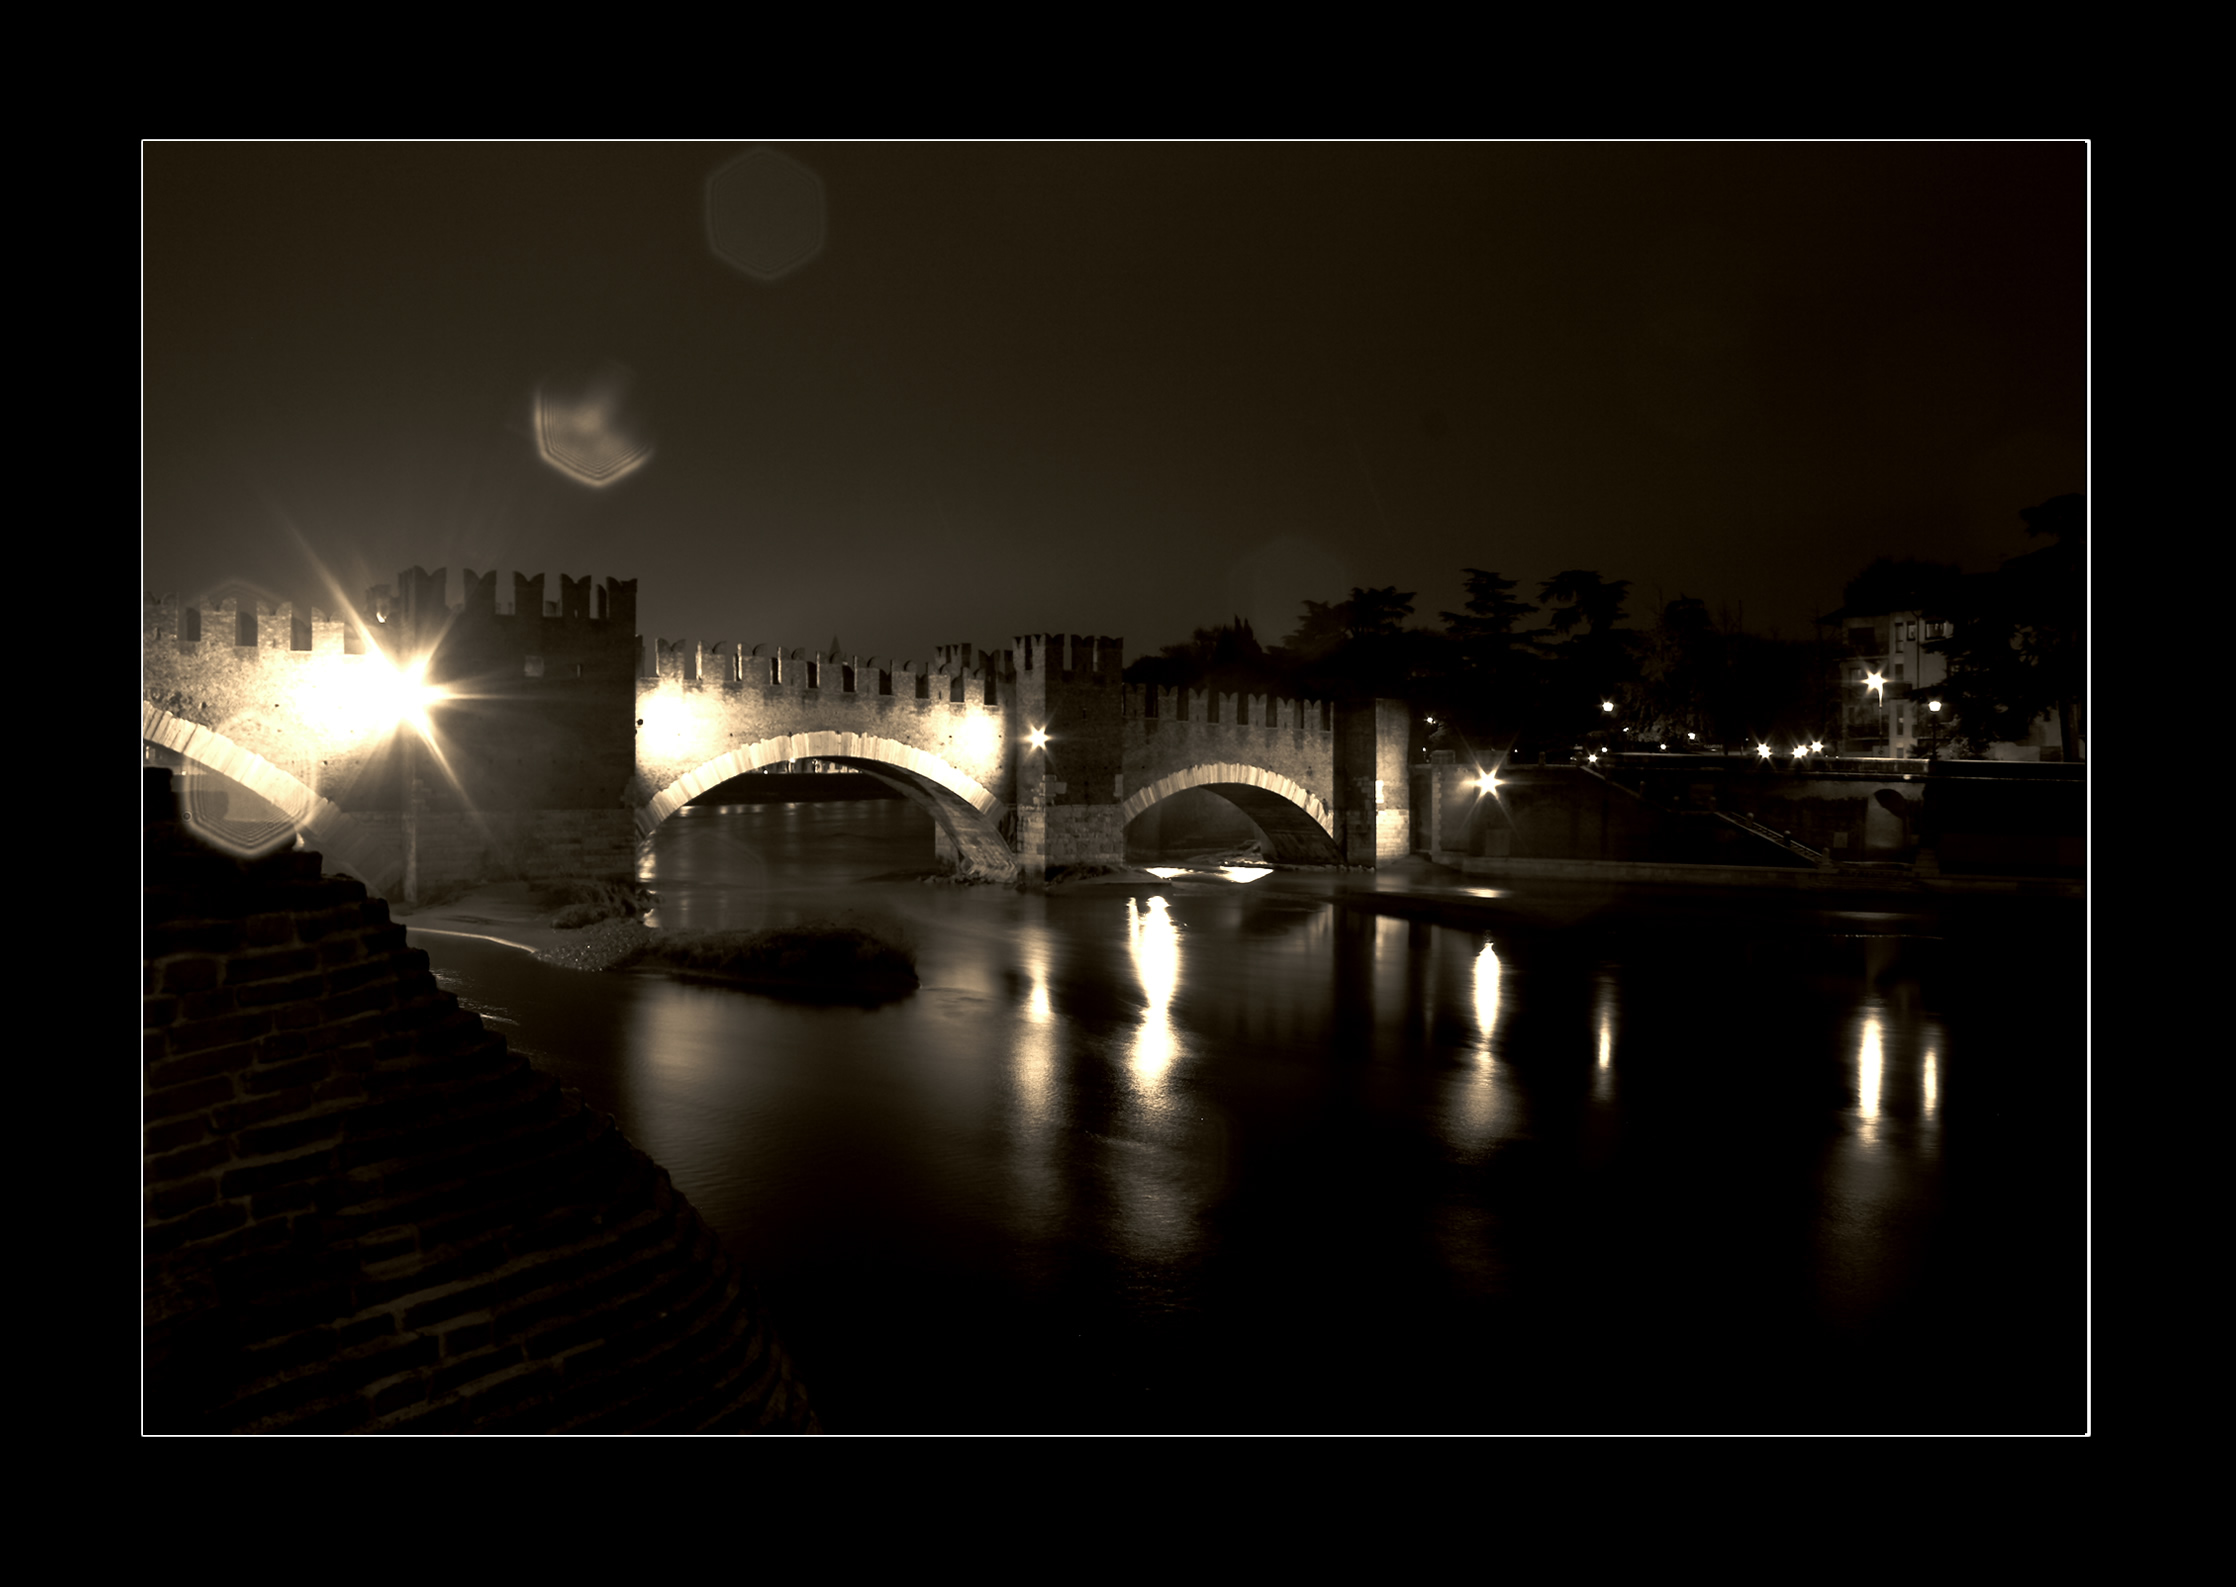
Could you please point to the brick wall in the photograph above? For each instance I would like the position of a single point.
(362, 1212)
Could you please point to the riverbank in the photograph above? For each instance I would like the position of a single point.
(507, 913)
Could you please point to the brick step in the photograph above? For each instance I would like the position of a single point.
(605, 1371)
(581, 1348)
(735, 1355)
(569, 1135)
(424, 1057)
(654, 1381)
(387, 1082)
(748, 1373)
(521, 1277)
(619, 1303)
(610, 1397)
(540, 1211)
(381, 1126)
(398, 1180)
(316, 1388)
(337, 1286)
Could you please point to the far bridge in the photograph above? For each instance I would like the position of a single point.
(561, 742)
(1033, 757)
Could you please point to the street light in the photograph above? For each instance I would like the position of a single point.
(1877, 682)
(1933, 720)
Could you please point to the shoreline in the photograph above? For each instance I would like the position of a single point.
(505, 913)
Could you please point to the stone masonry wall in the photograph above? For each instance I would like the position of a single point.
(362, 1212)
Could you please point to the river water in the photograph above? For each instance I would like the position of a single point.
(1234, 1157)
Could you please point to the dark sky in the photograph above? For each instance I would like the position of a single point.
(1121, 389)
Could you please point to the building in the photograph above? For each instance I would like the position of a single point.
(1895, 717)
(1892, 718)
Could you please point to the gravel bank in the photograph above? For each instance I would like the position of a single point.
(598, 947)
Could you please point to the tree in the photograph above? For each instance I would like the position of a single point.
(1595, 664)
(1595, 602)
(1488, 686)
(1226, 659)
(1681, 670)
(1361, 648)
(2019, 646)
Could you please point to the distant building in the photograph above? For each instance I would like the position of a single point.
(1895, 719)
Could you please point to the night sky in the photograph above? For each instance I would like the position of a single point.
(1120, 389)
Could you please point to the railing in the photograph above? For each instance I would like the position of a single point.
(1783, 840)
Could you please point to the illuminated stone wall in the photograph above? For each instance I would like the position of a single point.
(1373, 782)
(1070, 687)
(533, 771)
(302, 711)
(362, 1212)
(941, 734)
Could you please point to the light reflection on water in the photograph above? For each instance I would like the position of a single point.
(1603, 1031)
(1119, 1143)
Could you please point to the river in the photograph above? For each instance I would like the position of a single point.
(1234, 1157)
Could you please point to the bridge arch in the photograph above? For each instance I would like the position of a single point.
(968, 814)
(345, 844)
(1297, 820)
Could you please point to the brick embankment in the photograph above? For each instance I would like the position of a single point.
(362, 1212)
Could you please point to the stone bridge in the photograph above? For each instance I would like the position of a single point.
(1035, 756)
(558, 745)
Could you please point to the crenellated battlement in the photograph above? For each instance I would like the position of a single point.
(247, 623)
(1150, 703)
(1071, 656)
(409, 614)
(418, 600)
(726, 663)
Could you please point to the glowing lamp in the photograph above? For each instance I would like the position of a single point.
(1037, 738)
(401, 696)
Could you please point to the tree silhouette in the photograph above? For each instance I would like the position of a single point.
(1594, 665)
(1488, 684)
(2019, 649)
(1586, 598)
(1681, 670)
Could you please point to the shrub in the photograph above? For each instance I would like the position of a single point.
(827, 961)
(585, 903)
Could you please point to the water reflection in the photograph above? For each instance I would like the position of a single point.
(1480, 1094)
(1486, 994)
(1037, 1114)
(1603, 1030)
(1045, 1172)
(1155, 944)
(1870, 1074)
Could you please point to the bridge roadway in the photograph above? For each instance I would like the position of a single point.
(556, 750)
